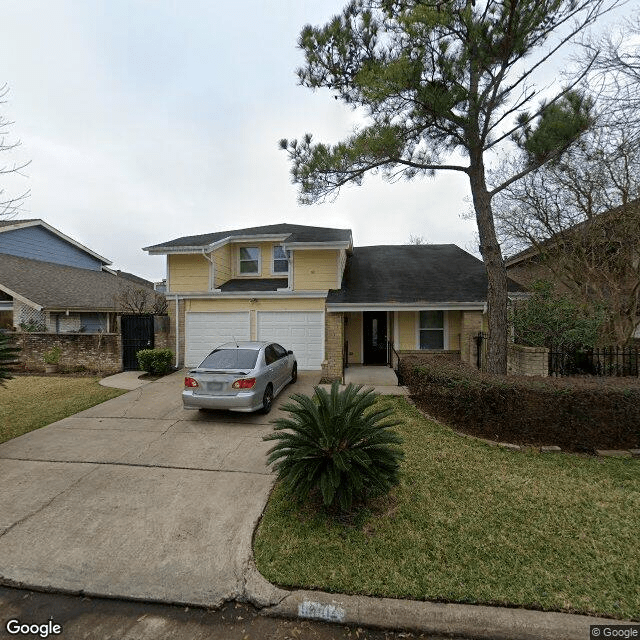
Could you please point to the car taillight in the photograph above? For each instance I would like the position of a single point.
(244, 383)
(190, 382)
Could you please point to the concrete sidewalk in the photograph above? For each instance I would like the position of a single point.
(127, 380)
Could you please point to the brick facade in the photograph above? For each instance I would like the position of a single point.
(99, 352)
(470, 326)
(527, 361)
(332, 366)
(172, 329)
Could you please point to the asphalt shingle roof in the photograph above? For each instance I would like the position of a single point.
(254, 284)
(11, 223)
(412, 274)
(55, 286)
(295, 233)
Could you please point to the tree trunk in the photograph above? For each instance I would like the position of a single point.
(496, 271)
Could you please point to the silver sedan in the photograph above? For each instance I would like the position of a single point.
(240, 376)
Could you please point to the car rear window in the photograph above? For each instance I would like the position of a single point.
(230, 359)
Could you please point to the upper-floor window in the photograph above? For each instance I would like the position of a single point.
(280, 260)
(432, 329)
(249, 260)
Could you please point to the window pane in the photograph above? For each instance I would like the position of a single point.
(231, 359)
(280, 351)
(280, 266)
(249, 253)
(431, 339)
(432, 319)
(280, 260)
(279, 253)
(249, 266)
(270, 355)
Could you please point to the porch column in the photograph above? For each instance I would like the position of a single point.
(332, 365)
(470, 326)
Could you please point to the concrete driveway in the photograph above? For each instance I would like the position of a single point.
(138, 498)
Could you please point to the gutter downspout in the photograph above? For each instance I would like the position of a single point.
(212, 271)
(177, 331)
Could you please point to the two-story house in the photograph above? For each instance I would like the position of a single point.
(311, 290)
(52, 283)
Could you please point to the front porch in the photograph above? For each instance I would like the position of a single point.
(379, 376)
(361, 344)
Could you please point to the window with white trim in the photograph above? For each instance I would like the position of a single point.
(280, 260)
(249, 260)
(431, 330)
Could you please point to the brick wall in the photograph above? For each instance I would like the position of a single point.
(470, 326)
(161, 332)
(527, 361)
(171, 336)
(333, 344)
(100, 352)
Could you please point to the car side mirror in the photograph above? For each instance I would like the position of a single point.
(289, 353)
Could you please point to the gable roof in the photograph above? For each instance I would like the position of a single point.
(53, 286)
(287, 233)
(530, 252)
(413, 274)
(11, 225)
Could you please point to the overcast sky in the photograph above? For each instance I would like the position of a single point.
(150, 120)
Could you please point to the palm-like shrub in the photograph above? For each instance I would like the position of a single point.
(338, 444)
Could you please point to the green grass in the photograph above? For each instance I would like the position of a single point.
(472, 523)
(31, 402)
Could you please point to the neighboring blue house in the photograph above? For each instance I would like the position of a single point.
(50, 282)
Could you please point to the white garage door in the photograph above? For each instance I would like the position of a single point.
(300, 331)
(205, 331)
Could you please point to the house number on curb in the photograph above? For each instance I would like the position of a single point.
(319, 611)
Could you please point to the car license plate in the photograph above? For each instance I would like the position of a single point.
(214, 386)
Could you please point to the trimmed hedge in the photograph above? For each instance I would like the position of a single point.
(157, 362)
(577, 414)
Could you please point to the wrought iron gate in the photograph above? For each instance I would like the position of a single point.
(137, 334)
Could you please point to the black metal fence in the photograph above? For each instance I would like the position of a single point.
(604, 361)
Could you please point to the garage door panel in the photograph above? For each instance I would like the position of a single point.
(300, 331)
(205, 331)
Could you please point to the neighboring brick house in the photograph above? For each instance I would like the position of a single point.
(50, 282)
(599, 256)
(55, 292)
(311, 290)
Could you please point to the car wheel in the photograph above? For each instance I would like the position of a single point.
(294, 373)
(267, 399)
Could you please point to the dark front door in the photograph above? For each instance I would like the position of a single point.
(137, 334)
(374, 327)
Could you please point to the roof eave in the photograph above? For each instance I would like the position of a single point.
(478, 305)
(48, 227)
(318, 245)
(17, 296)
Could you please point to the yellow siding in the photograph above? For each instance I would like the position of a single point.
(353, 335)
(342, 265)
(315, 270)
(266, 257)
(222, 260)
(188, 273)
(407, 323)
(455, 326)
(281, 304)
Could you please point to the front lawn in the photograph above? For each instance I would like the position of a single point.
(31, 402)
(474, 524)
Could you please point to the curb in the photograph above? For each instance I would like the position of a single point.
(459, 620)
